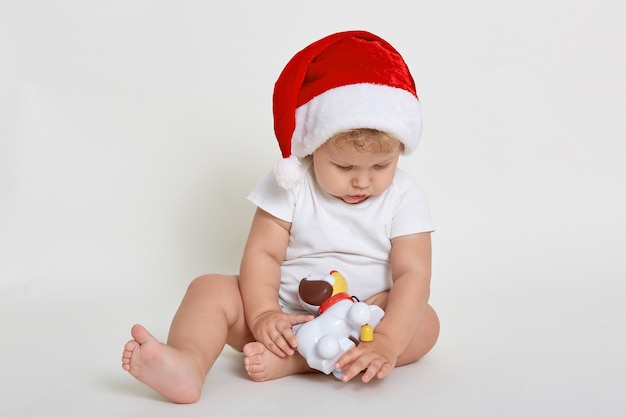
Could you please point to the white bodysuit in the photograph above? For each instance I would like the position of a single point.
(329, 234)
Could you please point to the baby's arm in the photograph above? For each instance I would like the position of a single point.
(405, 307)
(259, 282)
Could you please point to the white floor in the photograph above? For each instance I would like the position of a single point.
(496, 357)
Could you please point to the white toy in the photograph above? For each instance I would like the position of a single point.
(342, 323)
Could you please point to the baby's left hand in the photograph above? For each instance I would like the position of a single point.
(377, 357)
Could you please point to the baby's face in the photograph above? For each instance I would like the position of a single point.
(353, 176)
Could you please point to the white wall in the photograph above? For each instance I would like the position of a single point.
(131, 131)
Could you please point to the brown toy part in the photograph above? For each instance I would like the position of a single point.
(314, 292)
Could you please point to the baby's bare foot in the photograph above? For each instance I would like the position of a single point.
(163, 368)
(262, 365)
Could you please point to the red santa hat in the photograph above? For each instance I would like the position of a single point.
(347, 80)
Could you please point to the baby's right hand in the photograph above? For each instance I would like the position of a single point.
(273, 329)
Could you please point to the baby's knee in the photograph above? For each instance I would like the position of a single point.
(214, 284)
(428, 334)
(424, 338)
(432, 321)
(200, 282)
(379, 299)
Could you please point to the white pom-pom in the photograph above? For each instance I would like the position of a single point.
(289, 172)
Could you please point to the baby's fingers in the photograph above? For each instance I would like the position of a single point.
(348, 358)
(287, 341)
(357, 360)
(278, 345)
(295, 319)
(300, 318)
(378, 369)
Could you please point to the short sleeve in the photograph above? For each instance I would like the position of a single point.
(272, 198)
(411, 213)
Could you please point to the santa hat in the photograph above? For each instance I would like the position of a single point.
(347, 80)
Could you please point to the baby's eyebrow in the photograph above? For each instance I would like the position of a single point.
(385, 161)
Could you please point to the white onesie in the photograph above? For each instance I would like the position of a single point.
(329, 234)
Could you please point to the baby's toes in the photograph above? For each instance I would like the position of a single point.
(130, 347)
(253, 349)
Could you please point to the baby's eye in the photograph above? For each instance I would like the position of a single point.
(382, 166)
(345, 168)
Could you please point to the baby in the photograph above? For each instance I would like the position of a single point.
(345, 109)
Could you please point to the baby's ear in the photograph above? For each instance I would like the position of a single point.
(314, 292)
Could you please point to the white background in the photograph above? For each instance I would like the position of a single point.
(131, 132)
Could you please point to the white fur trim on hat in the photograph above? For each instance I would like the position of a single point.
(289, 172)
(373, 106)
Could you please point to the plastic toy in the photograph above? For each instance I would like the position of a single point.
(343, 322)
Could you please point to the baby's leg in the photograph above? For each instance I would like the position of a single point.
(424, 339)
(263, 365)
(210, 315)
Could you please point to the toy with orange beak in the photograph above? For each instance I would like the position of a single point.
(343, 322)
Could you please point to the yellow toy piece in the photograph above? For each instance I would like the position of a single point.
(367, 333)
(340, 285)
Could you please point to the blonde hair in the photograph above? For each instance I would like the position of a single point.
(366, 141)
